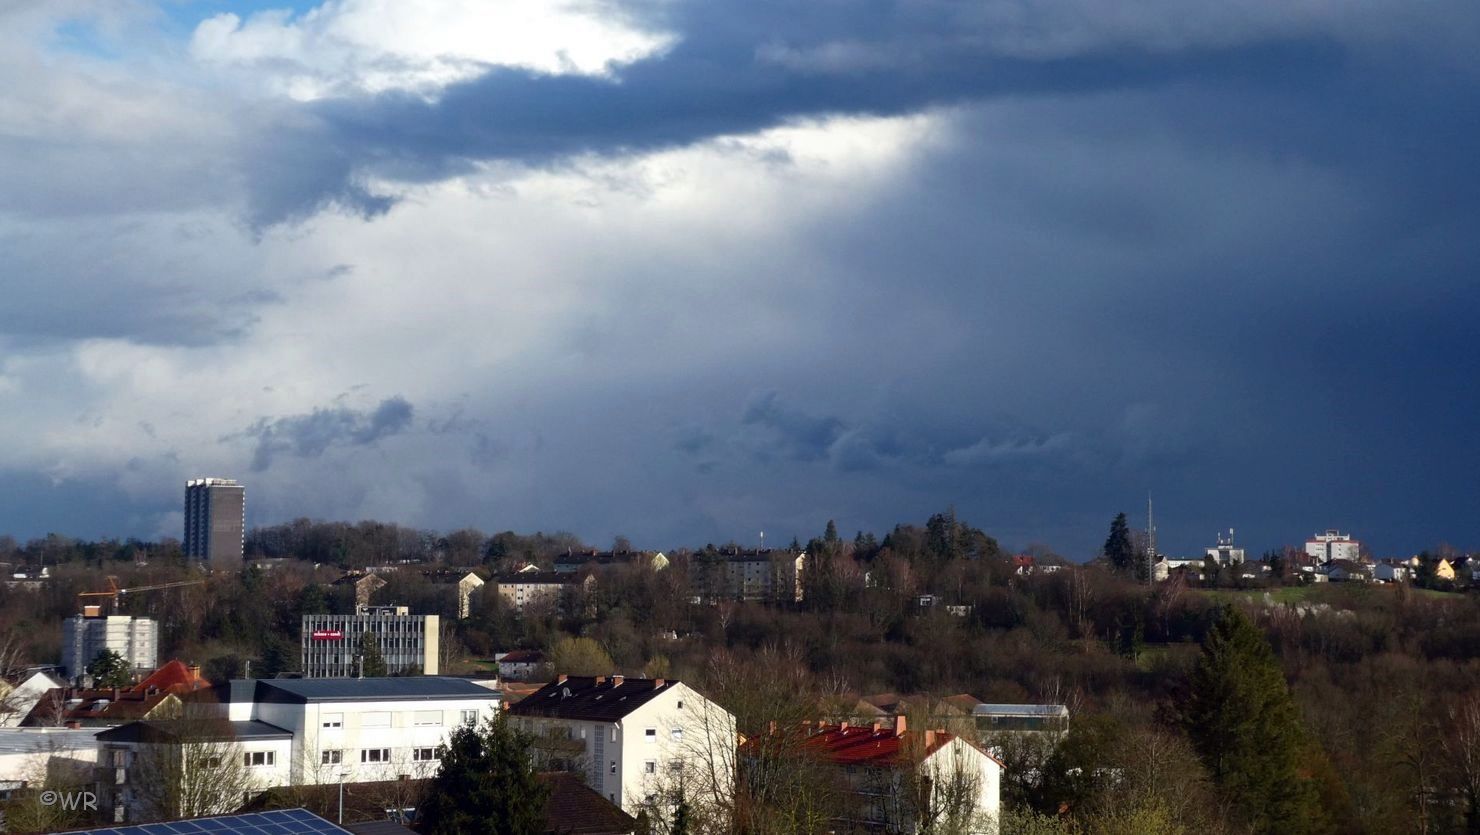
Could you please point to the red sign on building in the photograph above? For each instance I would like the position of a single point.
(327, 635)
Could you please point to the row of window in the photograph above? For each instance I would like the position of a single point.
(378, 755)
(382, 719)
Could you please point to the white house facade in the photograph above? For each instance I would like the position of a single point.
(632, 738)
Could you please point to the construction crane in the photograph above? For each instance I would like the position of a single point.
(114, 592)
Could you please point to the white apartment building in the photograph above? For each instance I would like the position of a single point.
(1224, 553)
(313, 731)
(334, 645)
(86, 635)
(30, 756)
(764, 576)
(1333, 545)
(633, 739)
(552, 588)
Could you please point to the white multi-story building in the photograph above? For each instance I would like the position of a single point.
(334, 645)
(310, 732)
(31, 756)
(763, 576)
(634, 739)
(86, 635)
(523, 589)
(1224, 553)
(1333, 545)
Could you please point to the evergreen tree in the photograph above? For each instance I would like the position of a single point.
(830, 536)
(1118, 548)
(486, 785)
(278, 656)
(109, 669)
(372, 663)
(1247, 730)
(680, 825)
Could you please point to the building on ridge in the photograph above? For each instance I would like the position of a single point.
(334, 645)
(1333, 545)
(215, 522)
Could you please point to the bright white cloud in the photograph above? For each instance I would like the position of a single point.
(375, 45)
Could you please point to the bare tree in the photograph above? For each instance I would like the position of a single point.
(1460, 752)
(188, 766)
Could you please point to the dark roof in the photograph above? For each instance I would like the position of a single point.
(523, 656)
(552, 577)
(740, 555)
(576, 809)
(598, 699)
(387, 689)
(170, 729)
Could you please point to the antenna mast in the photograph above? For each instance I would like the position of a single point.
(1150, 541)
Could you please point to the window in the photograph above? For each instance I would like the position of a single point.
(375, 755)
(680, 704)
(677, 734)
(331, 757)
(614, 766)
(614, 733)
(334, 720)
(470, 717)
(650, 767)
(675, 765)
(213, 761)
(650, 735)
(376, 719)
(423, 718)
(258, 758)
(423, 755)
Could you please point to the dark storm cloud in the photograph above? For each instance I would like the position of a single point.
(310, 435)
(737, 67)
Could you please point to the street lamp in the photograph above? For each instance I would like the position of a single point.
(343, 773)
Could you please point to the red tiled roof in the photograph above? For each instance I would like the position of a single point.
(870, 745)
(173, 677)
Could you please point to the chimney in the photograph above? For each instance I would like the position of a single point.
(617, 680)
(601, 679)
(843, 726)
(771, 728)
(560, 679)
(929, 740)
(73, 724)
(658, 683)
(194, 671)
(899, 725)
(878, 726)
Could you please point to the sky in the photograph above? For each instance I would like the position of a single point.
(690, 271)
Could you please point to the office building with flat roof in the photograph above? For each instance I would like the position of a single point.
(334, 645)
(215, 521)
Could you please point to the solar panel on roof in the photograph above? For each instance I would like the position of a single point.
(275, 822)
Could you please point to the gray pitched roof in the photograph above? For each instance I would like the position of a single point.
(388, 689)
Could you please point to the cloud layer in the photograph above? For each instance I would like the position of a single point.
(688, 271)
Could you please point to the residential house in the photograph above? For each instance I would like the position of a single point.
(763, 576)
(889, 774)
(55, 756)
(522, 665)
(577, 561)
(364, 583)
(158, 694)
(633, 739)
(1338, 571)
(16, 700)
(461, 584)
(1390, 572)
(1019, 718)
(522, 589)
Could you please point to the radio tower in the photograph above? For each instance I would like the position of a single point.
(1150, 540)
